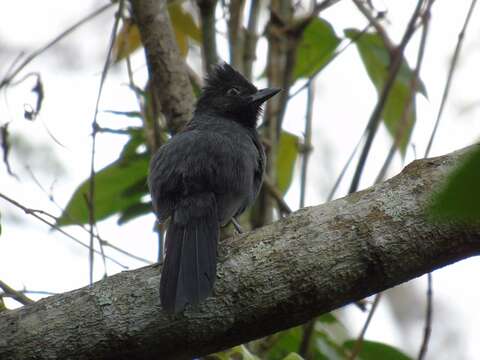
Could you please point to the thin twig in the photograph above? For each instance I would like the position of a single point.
(307, 144)
(124, 252)
(453, 66)
(35, 213)
(376, 115)
(235, 32)
(91, 183)
(345, 167)
(133, 86)
(14, 294)
(428, 318)
(83, 227)
(307, 335)
(251, 37)
(33, 292)
(209, 42)
(358, 344)
(277, 195)
(333, 57)
(413, 90)
(276, 71)
(32, 56)
(374, 21)
(323, 5)
(386, 164)
(372, 126)
(429, 311)
(152, 145)
(5, 146)
(14, 62)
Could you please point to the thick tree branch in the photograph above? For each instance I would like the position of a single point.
(281, 275)
(165, 65)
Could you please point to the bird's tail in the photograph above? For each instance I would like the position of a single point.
(189, 268)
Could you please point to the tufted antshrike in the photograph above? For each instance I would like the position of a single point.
(207, 174)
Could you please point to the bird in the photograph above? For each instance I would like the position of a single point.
(204, 177)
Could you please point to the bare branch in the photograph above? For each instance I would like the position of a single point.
(235, 32)
(90, 198)
(209, 40)
(374, 21)
(307, 144)
(375, 117)
(251, 37)
(415, 80)
(166, 67)
(11, 75)
(35, 213)
(358, 344)
(428, 319)
(281, 275)
(14, 294)
(277, 195)
(451, 71)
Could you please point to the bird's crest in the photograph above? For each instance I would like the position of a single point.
(223, 76)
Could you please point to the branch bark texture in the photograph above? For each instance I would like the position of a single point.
(166, 67)
(281, 275)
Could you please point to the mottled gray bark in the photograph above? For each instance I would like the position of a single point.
(281, 275)
(166, 67)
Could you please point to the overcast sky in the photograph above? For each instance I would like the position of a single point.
(31, 256)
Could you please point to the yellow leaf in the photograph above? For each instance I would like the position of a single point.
(182, 42)
(128, 40)
(182, 21)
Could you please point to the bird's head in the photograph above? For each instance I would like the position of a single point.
(227, 93)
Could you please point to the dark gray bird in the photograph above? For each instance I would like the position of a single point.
(207, 174)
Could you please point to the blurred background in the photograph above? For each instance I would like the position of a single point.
(49, 152)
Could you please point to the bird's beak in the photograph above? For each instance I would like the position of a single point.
(263, 95)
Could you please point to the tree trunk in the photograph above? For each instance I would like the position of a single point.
(314, 261)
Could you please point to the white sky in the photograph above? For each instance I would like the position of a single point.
(31, 256)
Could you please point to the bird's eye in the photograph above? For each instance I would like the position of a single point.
(233, 91)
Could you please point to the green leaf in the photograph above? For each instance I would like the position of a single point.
(328, 318)
(286, 157)
(326, 347)
(137, 138)
(237, 352)
(134, 211)
(293, 356)
(113, 191)
(284, 343)
(325, 343)
(243, 352)
(372, 350)
(459, 200)
(317, 46)
(399, 113)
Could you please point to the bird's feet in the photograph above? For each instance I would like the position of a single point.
(237, 226)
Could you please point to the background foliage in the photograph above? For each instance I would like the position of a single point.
(294, 45)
